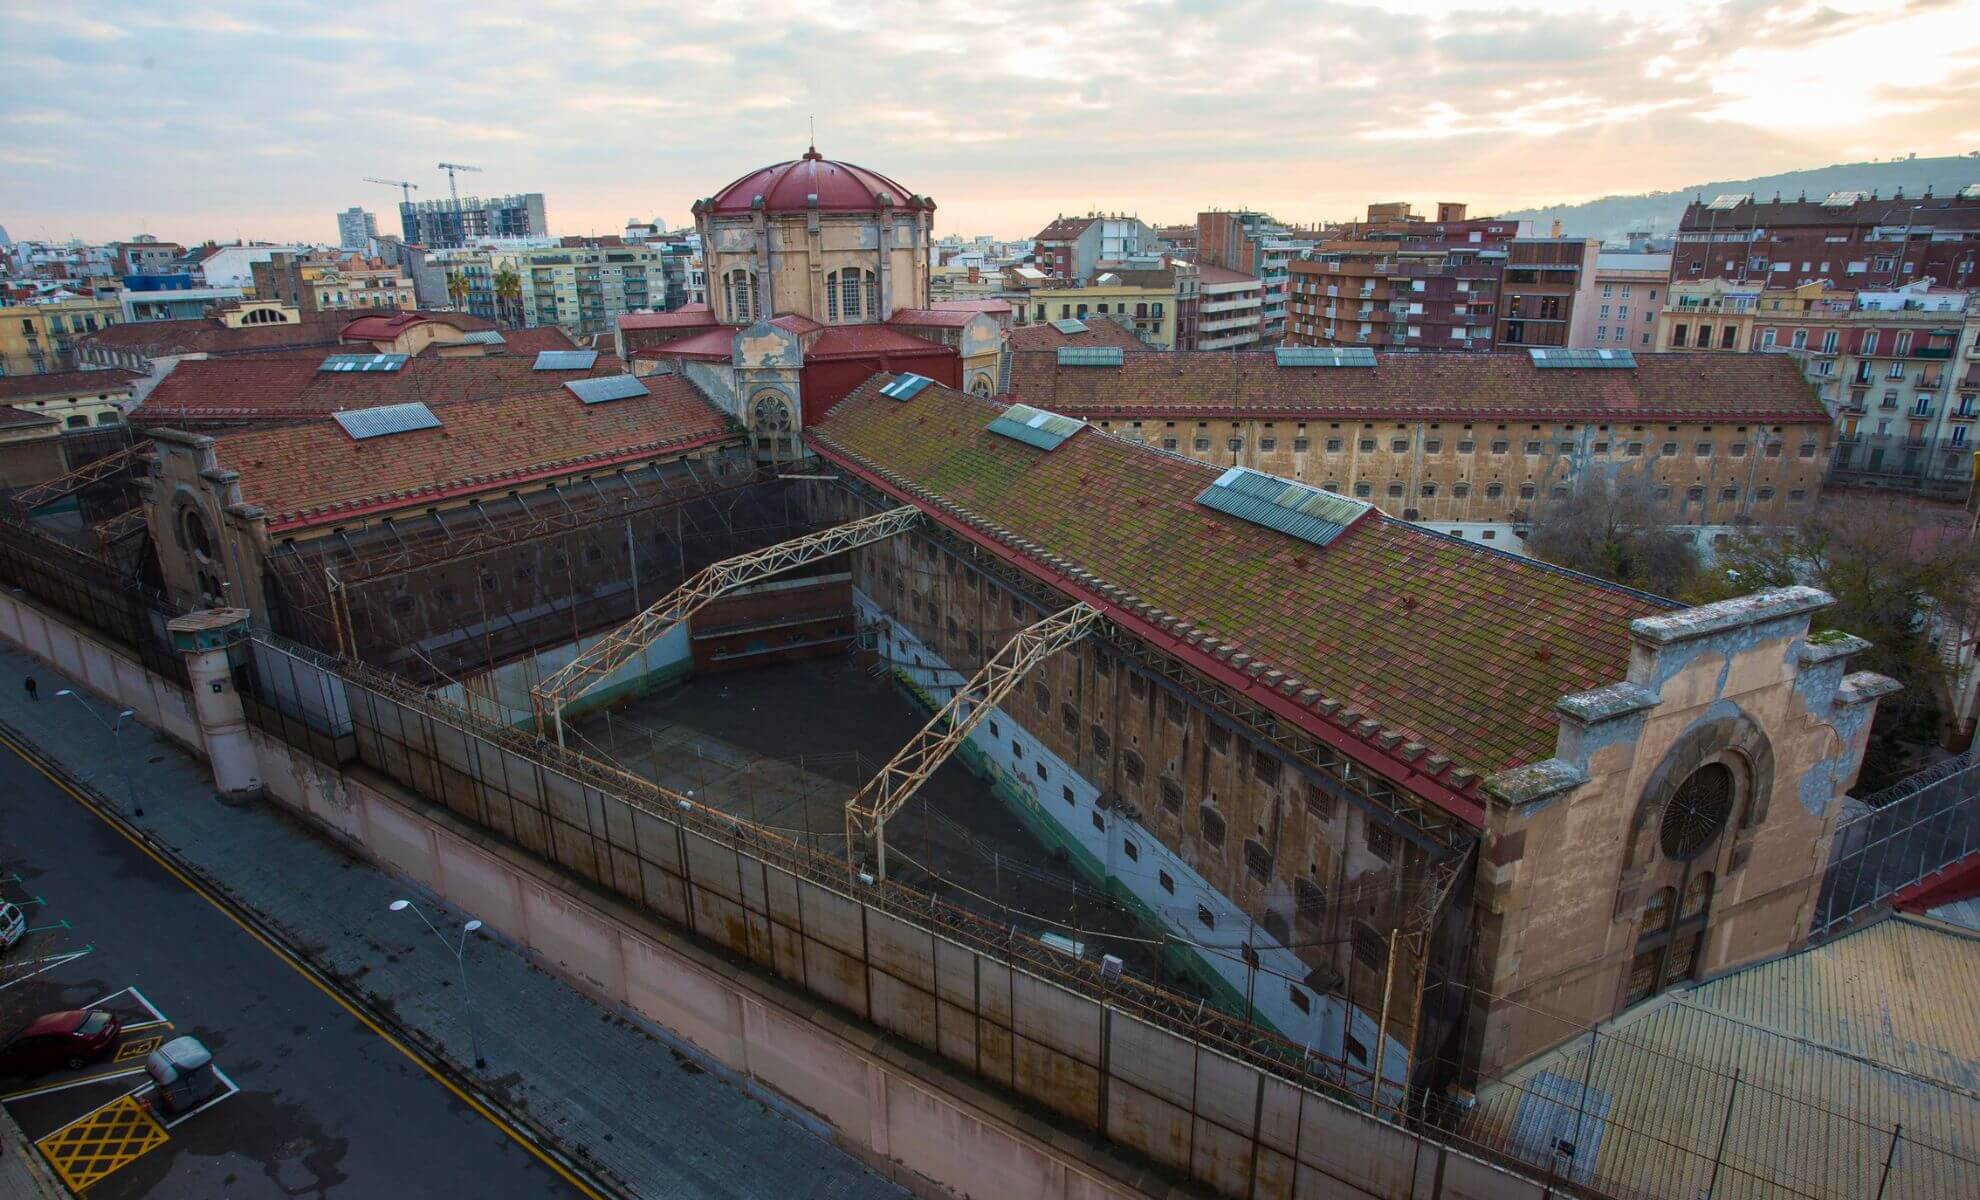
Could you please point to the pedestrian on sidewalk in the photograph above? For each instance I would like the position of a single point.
(30, 690)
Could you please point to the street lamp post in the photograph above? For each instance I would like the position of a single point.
(117, 736)
(459, 951)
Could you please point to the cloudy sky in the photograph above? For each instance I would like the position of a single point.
(260, 120)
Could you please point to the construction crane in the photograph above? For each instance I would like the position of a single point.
(450, 168)
(406, 187)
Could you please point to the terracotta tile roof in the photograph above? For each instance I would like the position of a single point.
(846, 341)
(1099, 332)
(1481, 386)
(1212, 273)
(687, 316)
(944, 318)
(1063, 229)
(66, 383)
(264, 388)
(716, 345)
(23, 418)
(797, 323)
(1459, 647)
(993, 307)
(1938, 212)
(534, 341)
(316, 474)
(203, 335)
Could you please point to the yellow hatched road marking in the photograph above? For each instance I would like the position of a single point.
(93, 1146)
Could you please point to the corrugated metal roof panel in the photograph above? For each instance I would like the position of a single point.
(1035, 426)
(904, 386)
(1324, 356)
(364, 423)
(483, 337)
(366, 363)
(1582, 358)
(1089, 356)
(1833, 1048)
(566, 360)
(1295, 509)
(602, 388)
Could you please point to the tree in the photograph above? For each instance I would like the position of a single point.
(1615, 530)
(457, 287)
(508, 294)
(1903, 578)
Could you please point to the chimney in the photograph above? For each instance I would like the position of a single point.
(1557, 228)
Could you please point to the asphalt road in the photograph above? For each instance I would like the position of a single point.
(327, 1107)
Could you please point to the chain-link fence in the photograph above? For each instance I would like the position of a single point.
(1899, 836)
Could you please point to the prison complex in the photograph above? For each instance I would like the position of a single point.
(1405, 809)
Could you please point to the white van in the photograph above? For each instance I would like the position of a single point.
(13, 926)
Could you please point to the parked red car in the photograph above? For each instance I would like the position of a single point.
(62, 1039)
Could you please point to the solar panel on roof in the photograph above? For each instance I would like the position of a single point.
(1841, 199)
(484, 337)
(905, 385)
(1068, 325)
(602, 388)
(1728, 201)
(1970, 192)
(1294, 509)
(1089, 356)
(1582, 358)
(364, 363)
(566, 360)
(363, 423)
(1035, 426)
(1324, 356)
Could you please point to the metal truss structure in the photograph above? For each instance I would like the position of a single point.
(94, 471)
(119, 527)
(867, 813)
(550, 697)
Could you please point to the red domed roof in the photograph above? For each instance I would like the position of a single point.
(787, 186)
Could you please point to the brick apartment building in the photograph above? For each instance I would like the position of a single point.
(1257, 245)
(1850, 239)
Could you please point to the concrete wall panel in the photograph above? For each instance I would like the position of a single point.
(903, 1009)
(720, 918)
(479, 886)
(1059, 1081)
(657, 842)
(1149, 1124)
(955, 973)
(1153, 1060)
(574, 939)
(837, 977)
(702, 1009)
(956, 1034)
(823, 1076)
(404, 842)
(1057, 1018)
(1221, 1159)
(899, 949)
(1226, 1091)
(712, 867)
(832, 919)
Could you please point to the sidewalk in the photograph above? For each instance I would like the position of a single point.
(615, 1096)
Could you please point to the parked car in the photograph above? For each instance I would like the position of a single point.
(13, 925)
(60, 1039)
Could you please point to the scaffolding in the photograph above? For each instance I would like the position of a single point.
(90, 473)
(593, 666)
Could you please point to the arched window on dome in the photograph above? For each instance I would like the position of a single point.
(739, 294)
(851, 294)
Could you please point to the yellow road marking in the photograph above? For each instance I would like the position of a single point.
(94, 1145)
(191, 885)
(136, 1049)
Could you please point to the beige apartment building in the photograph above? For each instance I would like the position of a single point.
(43, 336)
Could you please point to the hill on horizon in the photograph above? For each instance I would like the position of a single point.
(1659, 212)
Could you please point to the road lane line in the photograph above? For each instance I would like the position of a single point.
(479, 1108)
(232, 1089)
(52, 1088)
(54, 962)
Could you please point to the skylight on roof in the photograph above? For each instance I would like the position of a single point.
(364, 363)
(1970, 192)
(366, 423)
(905, 386)
(1068, 325)
(1582, 358)
(1841, 199)
(566, 360)
(484, 337)
(1728, 201)
(1294, 509)
(1089, 356)
(1324, 356)
(601, 389)
(1035, 426)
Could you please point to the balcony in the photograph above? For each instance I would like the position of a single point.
(1932, 352)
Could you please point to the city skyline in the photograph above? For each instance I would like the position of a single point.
(1158, 109)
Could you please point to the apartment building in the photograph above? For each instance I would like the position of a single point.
(325, 281)
(1850, 239)
(1545, 299)
(443, 224)
(145, 255)
(1259, 246)
(1708, 314)
(1160, 305)
(1396, 295)
(1629, 288)
(356, 230)
(1075, 247)
(1229, 313)
(42, 335)
(1471, 444)
(585, 288)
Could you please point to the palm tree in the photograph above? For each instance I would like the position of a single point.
(508, 296)
(457, 287)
